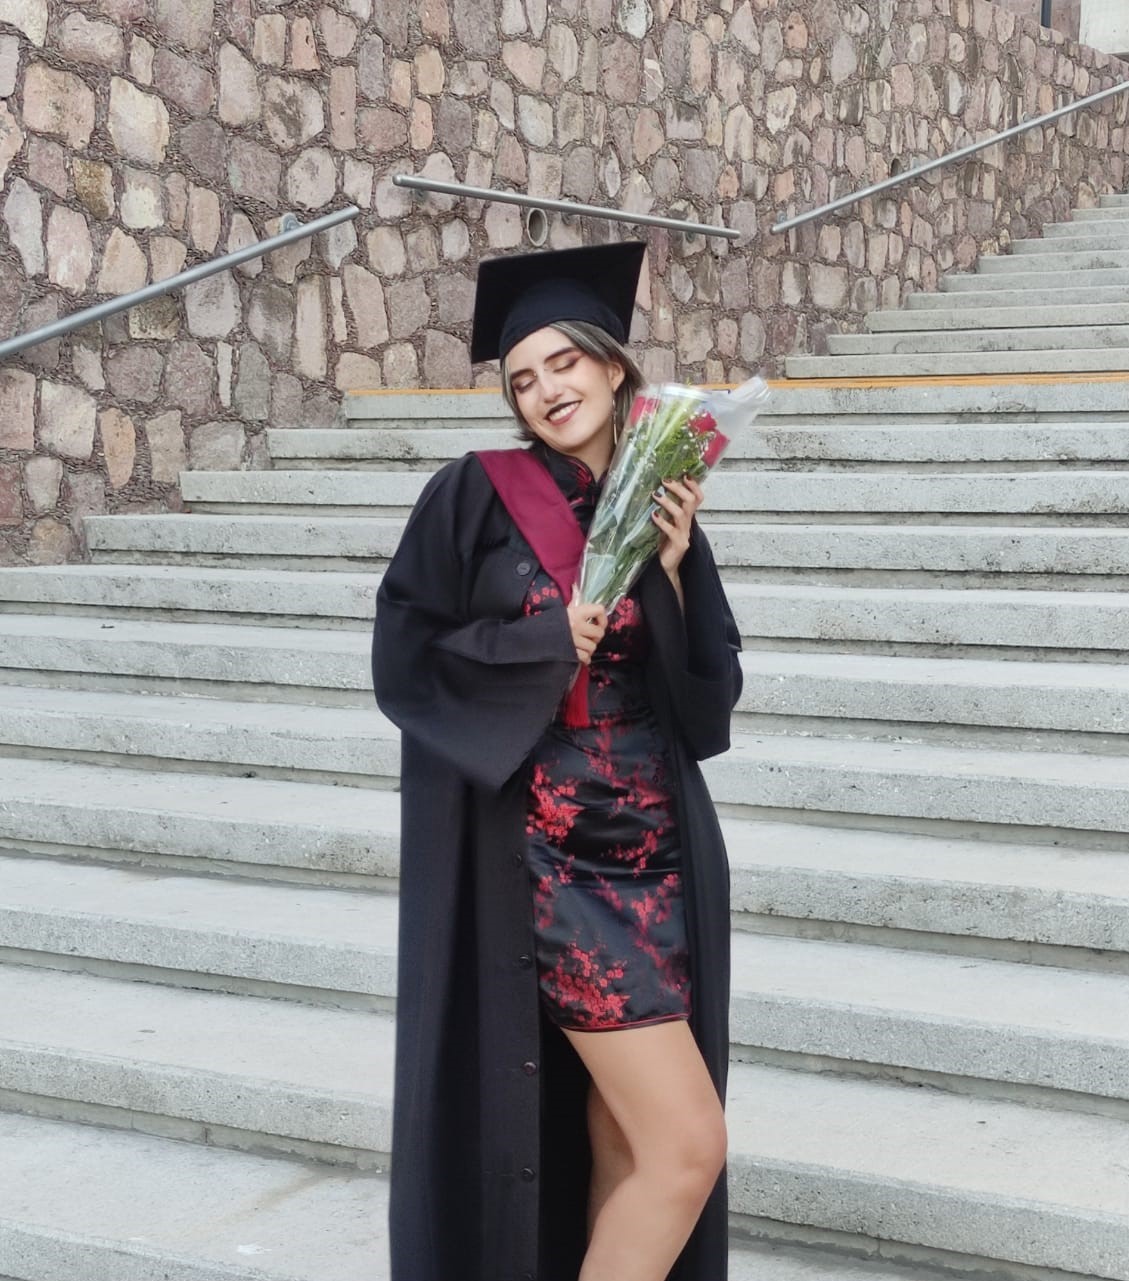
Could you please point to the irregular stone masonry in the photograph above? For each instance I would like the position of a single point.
(140, 135)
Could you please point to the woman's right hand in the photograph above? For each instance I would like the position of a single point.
(588, 624)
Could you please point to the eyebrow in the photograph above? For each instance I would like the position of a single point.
(517, 373)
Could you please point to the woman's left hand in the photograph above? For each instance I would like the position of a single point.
(674, 517)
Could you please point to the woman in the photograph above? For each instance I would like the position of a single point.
(562, 1031)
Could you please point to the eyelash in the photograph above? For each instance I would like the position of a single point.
(560, 369)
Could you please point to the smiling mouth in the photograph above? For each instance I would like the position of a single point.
(561, 411)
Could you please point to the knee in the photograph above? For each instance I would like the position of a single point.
(698, 1155)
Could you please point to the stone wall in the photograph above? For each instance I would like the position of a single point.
(140, 135)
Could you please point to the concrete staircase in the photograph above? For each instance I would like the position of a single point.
(927, 808)
(1053, 305)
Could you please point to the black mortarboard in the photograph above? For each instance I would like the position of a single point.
(519, 294)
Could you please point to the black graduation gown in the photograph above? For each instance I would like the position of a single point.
(490, 1163)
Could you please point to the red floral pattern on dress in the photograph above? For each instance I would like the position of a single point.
(603, 841)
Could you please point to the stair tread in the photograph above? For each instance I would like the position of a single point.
(815, 1125)
(796, 994)
(357, 812)
(911, 859)
(1091, 492)
(357, 817)
(963, 672)
(279, 720)
(1076, 770)
(311, 641)
(295, 720)
(361, 726)
(931, 1168)
(134, 1207)
(940, 989)
(324, 1052)
(128, 1205)
(64, 896)
(993, 996)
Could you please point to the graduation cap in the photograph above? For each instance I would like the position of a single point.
(521, 293)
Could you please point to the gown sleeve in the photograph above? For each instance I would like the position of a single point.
(704, 665)
(476, 692)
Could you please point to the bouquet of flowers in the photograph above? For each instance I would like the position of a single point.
(672, 432)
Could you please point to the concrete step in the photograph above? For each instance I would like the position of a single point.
(341, 493)
(82, 1204)
(922, 320)
(184, 593)
(1089, 222)
(962, 364)
(966, 1022)
(1074, 790)
(1043, 705)
(271, 542)
(1049, 625)
(1055, 257)
(389, 449)
(1113, 202)
(807, 404)
(1099, 212)
(1092, 239)
(969, 1177)
(731, 498)
(260, 663)
(270, 1075)
(977, 294)
(977, 340)
(899, 781)
(1057, 904)
(332, 668)
(1054, 904)
(1018, 557)
(207, 1067)
(355, 746)
(1092, 494)
(1034, 276)
(1062, 540)
(317, 945)
(313, 834)
(1069, 706)
(1056, 444)
(457, 410)
(391, 494)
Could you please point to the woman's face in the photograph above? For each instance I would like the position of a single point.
(566, 397)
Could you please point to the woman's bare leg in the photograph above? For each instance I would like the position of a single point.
(656, 1088)
(611, 1155)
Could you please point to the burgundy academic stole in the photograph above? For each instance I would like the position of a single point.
(548, 524)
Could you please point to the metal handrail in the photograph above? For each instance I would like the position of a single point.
(102, 310)
(950, 159)
(560, 206)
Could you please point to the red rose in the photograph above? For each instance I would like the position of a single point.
(714, 450)
(643, 407)
(703, 422)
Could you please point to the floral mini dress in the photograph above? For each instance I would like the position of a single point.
(603, 842)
